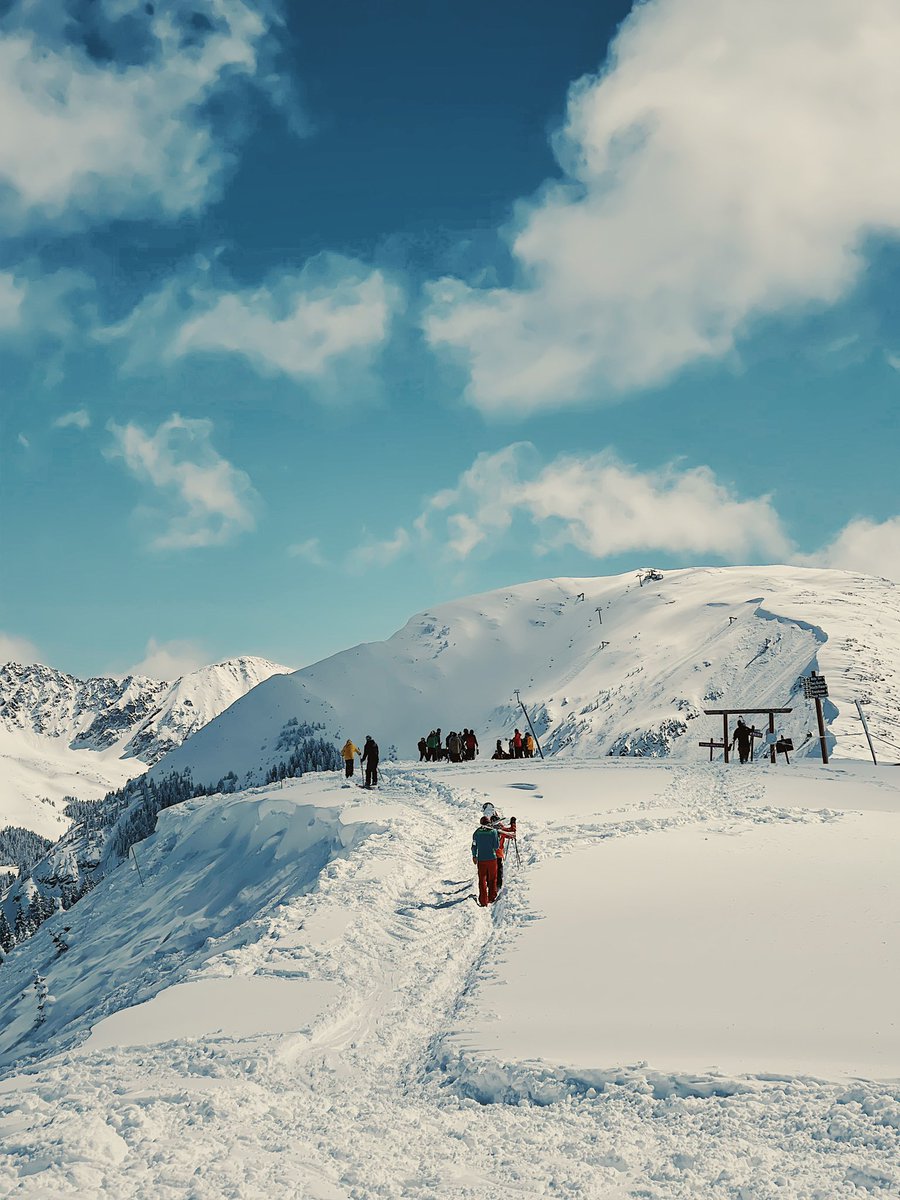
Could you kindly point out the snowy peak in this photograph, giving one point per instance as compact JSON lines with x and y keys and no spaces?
{"x":136,"y":717}
{"x":93,"y":713}
{"x":606,"y":666}
{"x":194,"y":700}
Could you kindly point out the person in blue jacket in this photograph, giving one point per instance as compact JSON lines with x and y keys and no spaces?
{"x":485,"y":844}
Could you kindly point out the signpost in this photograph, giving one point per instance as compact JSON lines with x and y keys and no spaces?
{"x":815,"y":688}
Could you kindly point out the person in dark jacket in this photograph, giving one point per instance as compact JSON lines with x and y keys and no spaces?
{"x":370,"y":758}
{"x":485,"y":844}
{"x":423,"y":749}
{"x":744,"y":739}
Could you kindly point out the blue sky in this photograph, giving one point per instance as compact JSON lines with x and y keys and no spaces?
{"x":315,"y":316}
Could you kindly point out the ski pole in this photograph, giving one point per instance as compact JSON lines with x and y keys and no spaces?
{"x":518,"y":860}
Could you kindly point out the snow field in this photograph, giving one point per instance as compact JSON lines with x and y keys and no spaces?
{"x":389,"y":1088}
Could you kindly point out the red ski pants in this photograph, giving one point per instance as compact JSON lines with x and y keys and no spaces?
{"x":487,"y":882}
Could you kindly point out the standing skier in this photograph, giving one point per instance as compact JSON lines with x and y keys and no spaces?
{"x":485,"y":844}
{"x":744,"y":739}
{"x":370,"y":758}
{"x":348,"y":754}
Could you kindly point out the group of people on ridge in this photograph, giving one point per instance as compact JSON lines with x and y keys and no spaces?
{"x":519,"y":747}
{"x":488,"y":850}
{"x":368,"y":757}
{"x":458,"y":747}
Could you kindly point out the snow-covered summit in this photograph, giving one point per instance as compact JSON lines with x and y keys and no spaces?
{"x":606,"y":666}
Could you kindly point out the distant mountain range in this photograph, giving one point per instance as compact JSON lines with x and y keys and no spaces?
{"x":606,"y":666}
{"x":61,"y":735}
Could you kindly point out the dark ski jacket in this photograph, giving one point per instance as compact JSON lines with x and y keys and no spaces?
{"x":485,"y":843}
{"x":370,"y":752}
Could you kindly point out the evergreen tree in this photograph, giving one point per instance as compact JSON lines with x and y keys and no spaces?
{"x":7,"y":941}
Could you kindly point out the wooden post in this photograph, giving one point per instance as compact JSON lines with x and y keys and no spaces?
{"x":821,"y":719}
{"x":772,"y":730}
{"x":868,"y":735}
{"x":725,"y":735}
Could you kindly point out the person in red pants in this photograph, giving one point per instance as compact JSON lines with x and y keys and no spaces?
{"x":485,"y":844}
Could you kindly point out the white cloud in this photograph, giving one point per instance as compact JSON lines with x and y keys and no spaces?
{"x":18,"y":649}
{"x":170,"y":660}
{"x":206,"y":500}
{"x":380,"y":554}
{"x":39,"y":305}
{"x":892,"y":360}
{"x":12,"y":296}
{"x":599,"y":505}
{"x":729,"y":162}
{"x":23,"y":441}
{"x":304,"y":324}
{"x":871,"y":547}
{"x":79,"y":419}
{"x":310,"y":551}
{"x":94,"y":139}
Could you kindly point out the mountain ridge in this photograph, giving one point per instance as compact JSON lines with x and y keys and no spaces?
{"x":63,"y":735}
{"x":606,"y":666}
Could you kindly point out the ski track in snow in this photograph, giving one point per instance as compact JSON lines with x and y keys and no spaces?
{"x":369,"y":1102}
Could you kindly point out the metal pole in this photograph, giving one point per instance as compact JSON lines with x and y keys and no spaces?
{"x":724,"y":736}
{"x":530,"y":726}
{"x":772,"y":743}
{"x":821,"y":719}
{"x":868,"y":735}
{"x":138,"y":865}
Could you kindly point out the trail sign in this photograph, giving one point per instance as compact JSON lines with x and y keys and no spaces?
{"x":815,"y":687}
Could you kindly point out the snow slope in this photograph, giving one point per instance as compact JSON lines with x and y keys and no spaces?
{"x":701,"y":638}
{"x":679,"y":994}
{"x":63,"y":736}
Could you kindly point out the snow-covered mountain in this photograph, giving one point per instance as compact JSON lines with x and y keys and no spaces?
{"x":606,"y":666}
{"x":65,"y":736}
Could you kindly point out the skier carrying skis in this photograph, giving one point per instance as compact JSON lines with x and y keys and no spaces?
{"x":370,"y":758}
{"x":348,"y":754}
{"x":506,"y":833}
{"x":485,"y":844}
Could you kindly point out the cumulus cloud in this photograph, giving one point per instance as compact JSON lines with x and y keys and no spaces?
{"x":205,"y":500}
{"x":729,"y":162}
{"x":597,"y":504}
{"x":303,"y":324}
{"x":91,"y":137}
{"x":170,"y":660}
{"x":18,"y":649}
{"x":79,"y":419}
{"x":871,"y":547}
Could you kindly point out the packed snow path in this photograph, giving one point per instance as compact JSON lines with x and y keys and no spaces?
{"x":368,"y":1081}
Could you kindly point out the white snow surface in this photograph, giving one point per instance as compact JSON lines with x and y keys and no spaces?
{"x":688,"y":988}
{"x":702,"y":638}
{"x":61,"y":736}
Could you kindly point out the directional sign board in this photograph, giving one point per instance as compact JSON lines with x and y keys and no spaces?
{"x":815,"y":687}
